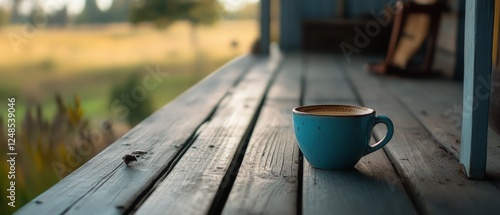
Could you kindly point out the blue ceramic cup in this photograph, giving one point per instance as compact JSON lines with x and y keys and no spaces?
{"x":335,"y":137}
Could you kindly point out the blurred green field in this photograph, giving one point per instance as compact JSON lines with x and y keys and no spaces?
{"x":88,"y":62}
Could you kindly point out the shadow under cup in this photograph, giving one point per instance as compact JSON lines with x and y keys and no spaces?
{"x":336,"y":137}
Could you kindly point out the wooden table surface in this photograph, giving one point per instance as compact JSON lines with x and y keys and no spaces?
{"x":227,"y":146}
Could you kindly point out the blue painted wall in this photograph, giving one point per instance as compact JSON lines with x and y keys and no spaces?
{"x":290,"y":25}
{"x":293,"y":12}
{"x":357,"y":8}
{"x":319,"y":9}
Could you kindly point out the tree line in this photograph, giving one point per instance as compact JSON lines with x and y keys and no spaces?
{"x":118,"y":12}
{"x":160,"y":12}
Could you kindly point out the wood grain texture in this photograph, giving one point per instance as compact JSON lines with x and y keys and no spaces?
{"x":477,"y":65}
{"x":191,"y":186}
{"x":373,"y":187}
{"x":287,"y":83}
{"x":325,"y":82}
{"x":429,"y":172}
{"x":439,"y":109}
{"x":267,"y":179}
{"x":105,"y":185}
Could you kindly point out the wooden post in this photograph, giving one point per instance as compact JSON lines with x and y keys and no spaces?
{"x":477,"y":81}
{"x":265,"y":26}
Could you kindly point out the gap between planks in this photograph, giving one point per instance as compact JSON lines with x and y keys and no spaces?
{"x":106,"y":185}
{"x":373,"y":187}
{"x":192,"y":185}
{"x":429,"y":172}
{"x":267,"y":180}
{"x":440,"y":112}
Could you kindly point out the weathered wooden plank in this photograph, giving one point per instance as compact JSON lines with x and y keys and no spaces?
{"x":105,"y":185}
{"x":440,"y":112}
{"x":372,"y":188}
{"x":477,"y":66}
{"x":267,"y":180}
{"x":325,"y":82}
{"x":192,"y":185}
{"x":438,"y":107}
{"x":429,"y":172}
{"x":287,"y":83}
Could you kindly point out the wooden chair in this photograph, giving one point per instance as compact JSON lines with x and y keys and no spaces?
{"x":410,"y":7}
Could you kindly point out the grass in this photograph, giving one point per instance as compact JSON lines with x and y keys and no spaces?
{"x":88,"y":61}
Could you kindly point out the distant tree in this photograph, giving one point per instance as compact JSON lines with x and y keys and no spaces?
{"x":4,"y":17}
{"x":248,"y":11}
{"x":15,"y":17}
{"x":119,"y":11}
{"x":91,"y":14}
{"x":60,"y":17}
{"x":165,"y":12}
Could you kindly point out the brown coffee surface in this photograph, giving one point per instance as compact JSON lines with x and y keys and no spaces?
{"x":335,"y":110}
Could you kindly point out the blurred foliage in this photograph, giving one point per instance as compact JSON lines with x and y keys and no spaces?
{"x":132,"y":100}
{"x":48,"y":150}
{"x":4,"y":17}
{"x":118,"y":12}
{"x":165,"y":12}
{"x":248,"y":11}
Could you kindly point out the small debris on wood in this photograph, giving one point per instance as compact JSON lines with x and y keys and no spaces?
{"x":442,"y":147}
{"x":462,"y":171}
{"x":177,"y":146}
{"x":424,"y":112}
{"x":128,"y":158}
{"x":211,"y":146}
{"x":126,"y":144}
{"x":194,"y":147}
{"x":139,"y":152}
{"x":38,"y":202}
{"x":404,"y":159}
{"x":457,"y":141}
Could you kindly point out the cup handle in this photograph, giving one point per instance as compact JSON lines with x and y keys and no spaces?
{"x":388,"y":136}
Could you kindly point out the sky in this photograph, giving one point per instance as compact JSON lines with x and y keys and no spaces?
{"x":76,"y":6}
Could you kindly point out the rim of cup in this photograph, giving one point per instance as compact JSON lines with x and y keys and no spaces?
{"x":307,"y":110}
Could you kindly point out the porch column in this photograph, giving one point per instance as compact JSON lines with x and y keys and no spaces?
{"x":265,"y":25}
{"x":477,"y":81}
